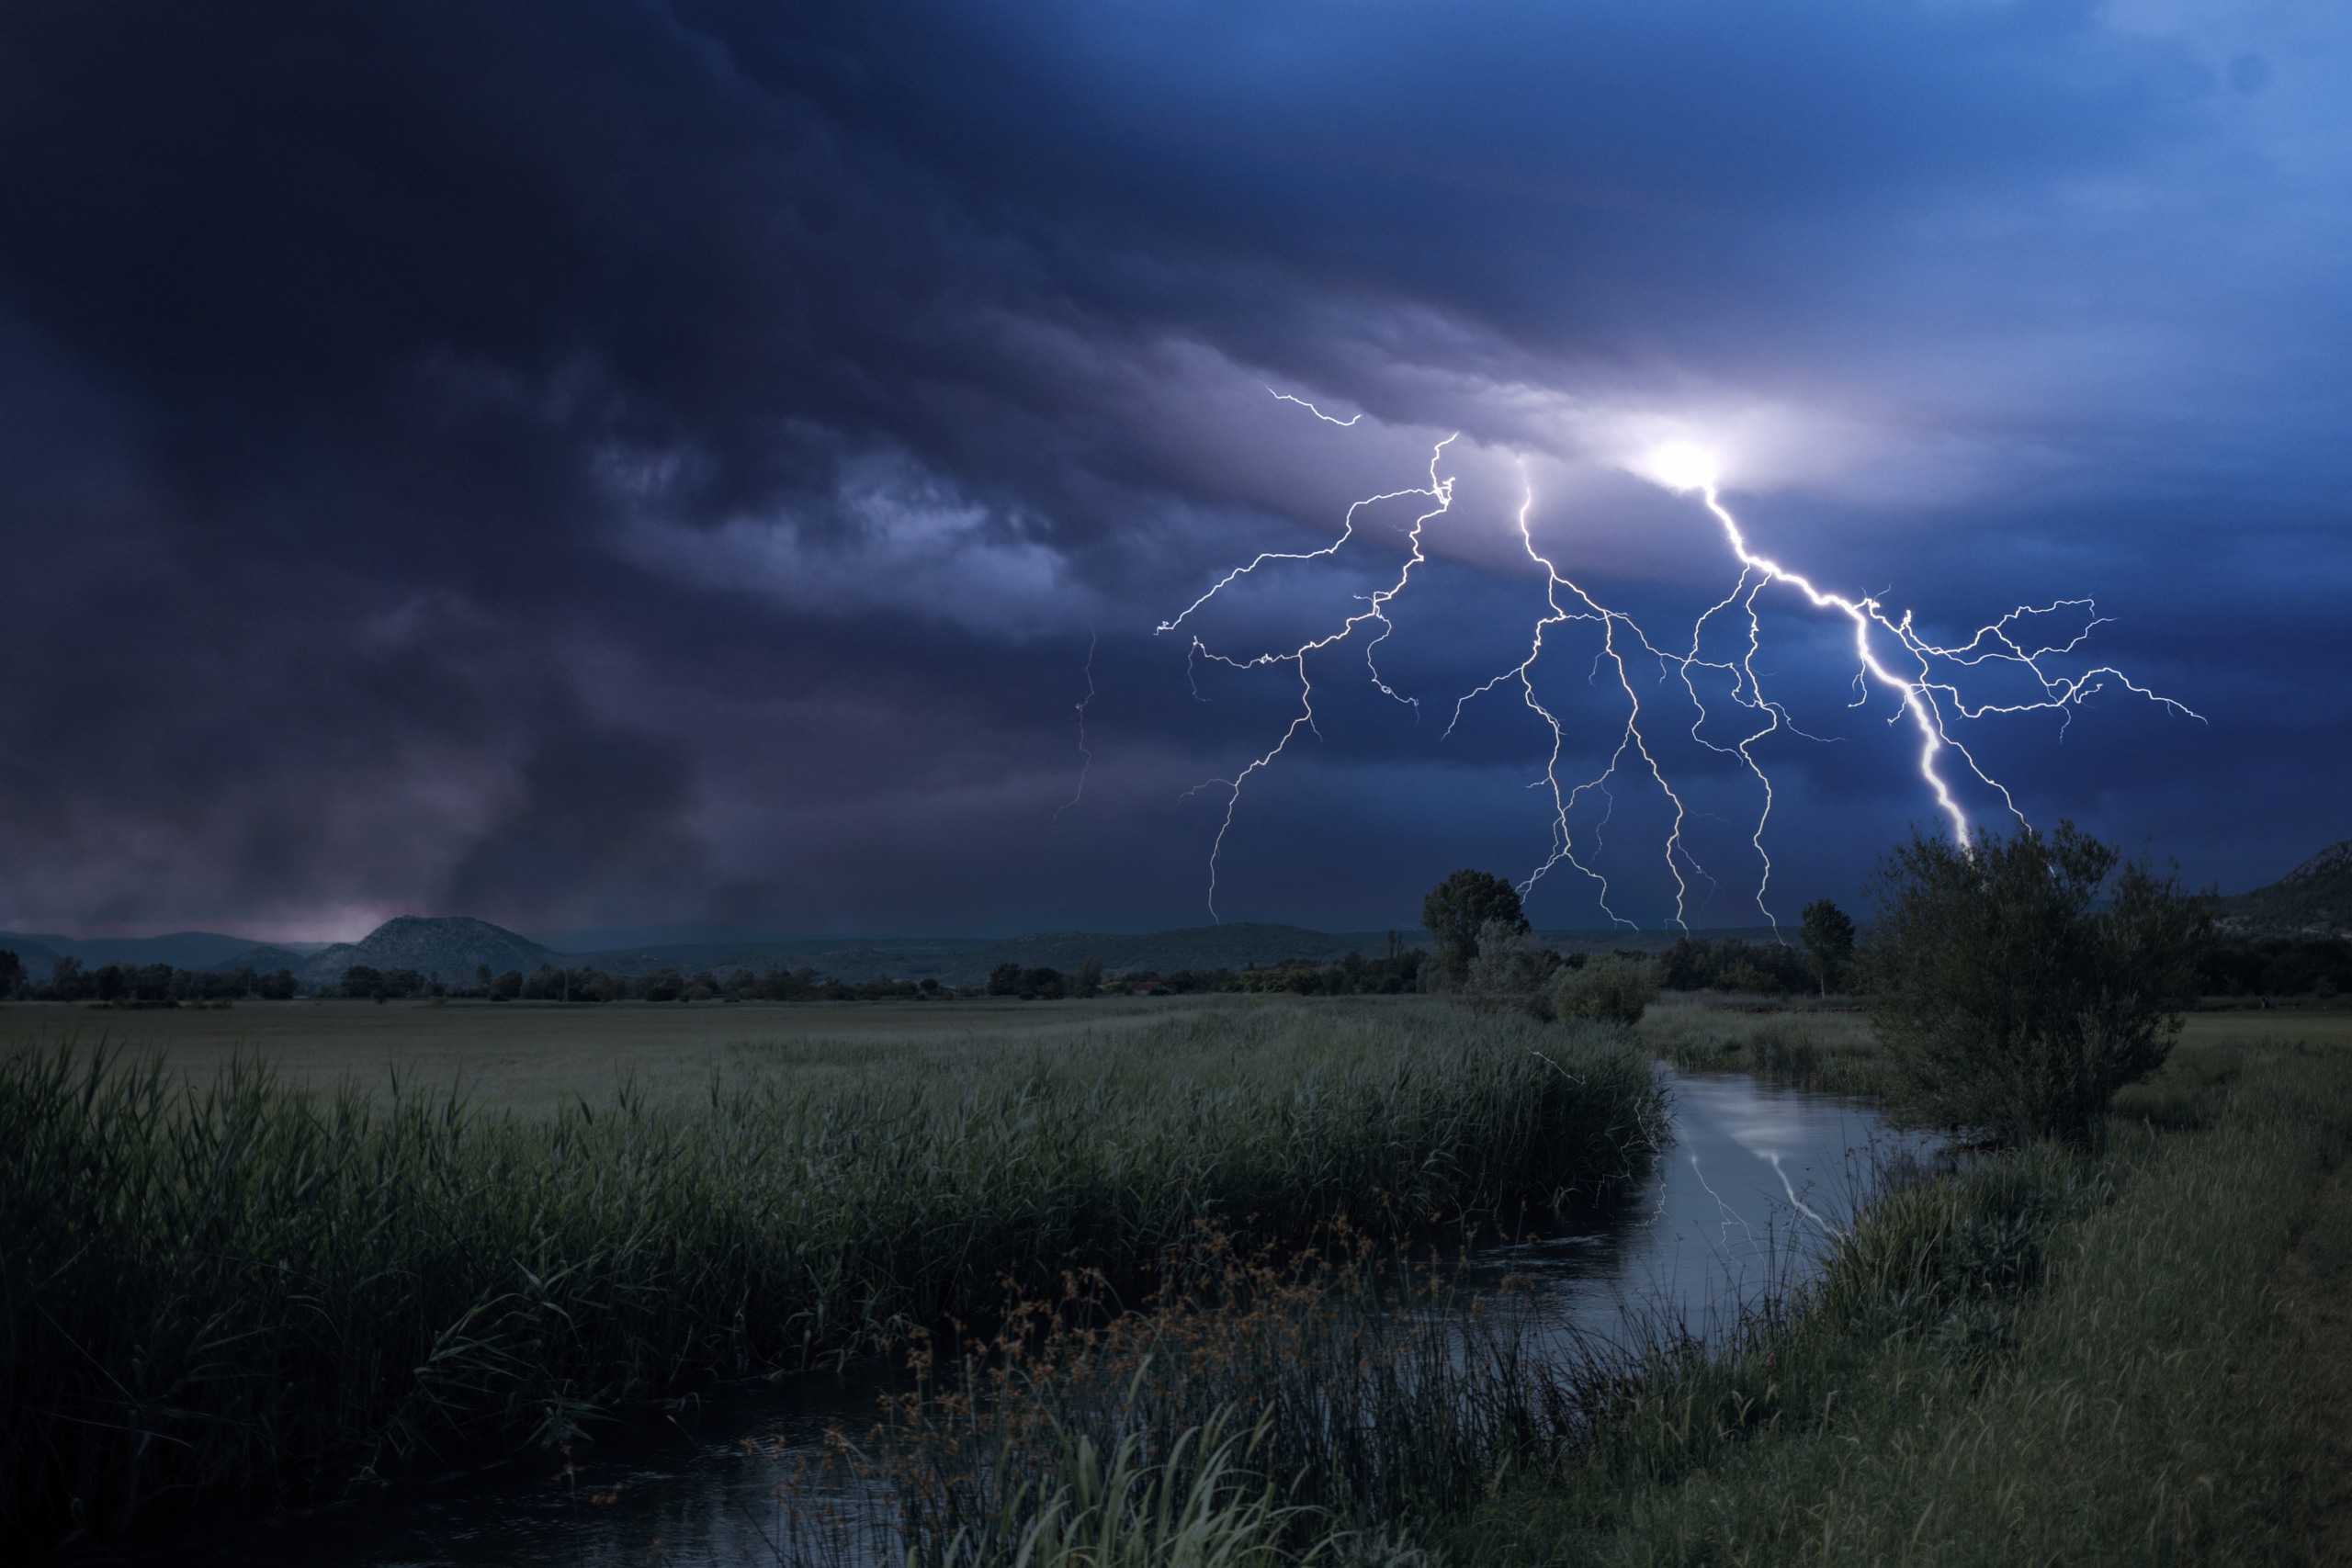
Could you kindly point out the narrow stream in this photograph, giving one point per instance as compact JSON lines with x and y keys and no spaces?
{"x":1756,"y":1178}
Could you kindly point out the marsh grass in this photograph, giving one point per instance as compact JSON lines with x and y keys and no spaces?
{"x":1309,"y":1399}
{"x":246,"y":1279}
{"x":1831,"y":1051}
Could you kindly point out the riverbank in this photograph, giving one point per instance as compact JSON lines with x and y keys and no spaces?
{"x":2135,"y":1357}
{"x":256,"y":1280}
{"x":2131,"y":1355}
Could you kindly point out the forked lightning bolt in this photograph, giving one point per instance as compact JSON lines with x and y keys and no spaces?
{"x":1925,"y":691}
{"x":1440,"y":493}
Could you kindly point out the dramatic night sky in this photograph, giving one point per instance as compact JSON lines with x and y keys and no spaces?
{"x":606,"y":463}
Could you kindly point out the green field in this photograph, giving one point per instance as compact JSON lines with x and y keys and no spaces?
{"x":539,"y":1054}
{"x":535,"y":1055}
{"x":1831,"y":1047}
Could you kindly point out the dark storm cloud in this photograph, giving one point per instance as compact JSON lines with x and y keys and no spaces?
{"x":604,"y":461}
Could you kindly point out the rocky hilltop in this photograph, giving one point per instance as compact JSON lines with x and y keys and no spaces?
{"x":2314,"y":899}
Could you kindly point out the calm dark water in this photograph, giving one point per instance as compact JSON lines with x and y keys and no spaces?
{"x":1754,"y":1180}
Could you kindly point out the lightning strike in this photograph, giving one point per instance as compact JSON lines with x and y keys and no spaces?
{"x":1087,"y":764}
{"x":1922,"y":676}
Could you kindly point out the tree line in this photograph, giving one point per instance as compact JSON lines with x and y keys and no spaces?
{"x":142,"y":985}
{"x":2014,"y":983}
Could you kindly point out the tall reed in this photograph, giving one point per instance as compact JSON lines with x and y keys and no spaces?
{"x":243,"y":1280}
{"x":1375,"y":1392}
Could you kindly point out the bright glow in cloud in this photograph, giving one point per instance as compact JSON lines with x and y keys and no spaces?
{"x":1682,"y":465}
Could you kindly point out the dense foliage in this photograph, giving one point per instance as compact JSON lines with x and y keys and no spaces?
{"x":1734,"y":963}
{"x":1462,"y":907}
{"x":1828,"y":936}
{"x":2275,"y":966}
{"x":148,"y":985}
{"x":2018,"y":983}
{"x":1611,"y":988}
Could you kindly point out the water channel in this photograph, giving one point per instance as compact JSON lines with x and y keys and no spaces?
{"x":1755,"y":1180}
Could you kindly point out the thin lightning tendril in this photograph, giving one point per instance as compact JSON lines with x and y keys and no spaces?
{"x":1927,"y":698}
{"x":1087,"y":764}
{"x":1318,"y":414}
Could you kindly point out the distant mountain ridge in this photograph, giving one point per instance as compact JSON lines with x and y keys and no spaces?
{"x":182,"y":949}
{"x":2314,"y":899}
{"x":453,"y":945}
{"x":38,"y":958}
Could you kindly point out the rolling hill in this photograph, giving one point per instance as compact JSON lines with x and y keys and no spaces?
{"x":450,"y":945}
{"x":2314,"y":899}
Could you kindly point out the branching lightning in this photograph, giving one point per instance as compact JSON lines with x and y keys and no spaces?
{"x":1921,"y":675}
{"x":1437,"y":490}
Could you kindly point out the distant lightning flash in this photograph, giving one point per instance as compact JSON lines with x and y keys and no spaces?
{"x":1919,"y":676}
{"x":1086,"y":765}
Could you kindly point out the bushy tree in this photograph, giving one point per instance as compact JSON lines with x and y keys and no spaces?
{"x":2019,"y":982}
{"x":12,"y":973}
{"x":1460,"y":906}
{"x":1610,"y":988}
{"x":67,"y":983}
{"x":1829,"y":938}
{"x":1510,"y":972}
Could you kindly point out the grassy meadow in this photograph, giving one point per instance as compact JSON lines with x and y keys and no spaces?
{"x":1829,"y":1046}
{"x":221,"y":1270}
{"x":537,"y":1055}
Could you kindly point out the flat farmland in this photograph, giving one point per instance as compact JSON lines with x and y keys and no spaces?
{"x":531,"y":1055}
{"x":2310,"y":1024}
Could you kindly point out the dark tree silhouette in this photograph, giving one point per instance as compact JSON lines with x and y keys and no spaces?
{"x":1459,"y":905}
{"x":1829,"y":938}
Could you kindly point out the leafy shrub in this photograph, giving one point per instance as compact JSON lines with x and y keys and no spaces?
{"x":2020,"y":982}
{"x":1509,"y":971}
{"x":1610,"y":988}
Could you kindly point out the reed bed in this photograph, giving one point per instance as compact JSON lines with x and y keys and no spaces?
{"x":246,"y":1281}
{"x":1291,"y":1405}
